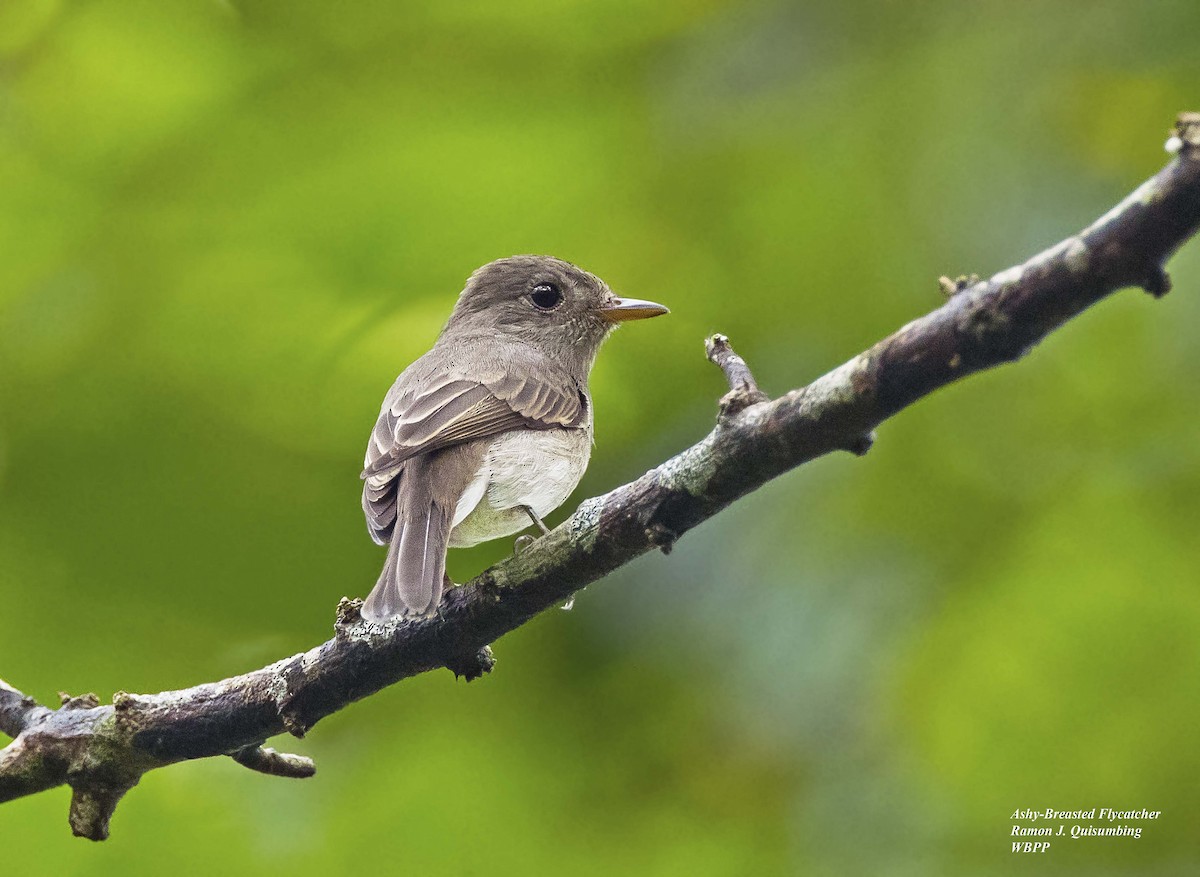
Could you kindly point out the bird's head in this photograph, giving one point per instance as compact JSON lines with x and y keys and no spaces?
{"x":553,"y":305}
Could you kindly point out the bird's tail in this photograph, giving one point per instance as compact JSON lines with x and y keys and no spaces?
{"x":411,"y":580}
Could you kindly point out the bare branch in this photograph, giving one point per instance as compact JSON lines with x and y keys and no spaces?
{"x":278,"y":764}
{"x":92,"y":806}
{"x":101,"y":751}
{"x":743,"y":389}
{"x":17,"y":711}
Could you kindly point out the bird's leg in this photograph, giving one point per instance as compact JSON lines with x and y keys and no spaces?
{"x":525,"y":540}
{"x":533,"y":517}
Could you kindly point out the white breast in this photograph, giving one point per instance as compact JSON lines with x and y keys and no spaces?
{"x":535,"y":468}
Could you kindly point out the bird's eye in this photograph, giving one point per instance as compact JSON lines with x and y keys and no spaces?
{"x":546,"y":296}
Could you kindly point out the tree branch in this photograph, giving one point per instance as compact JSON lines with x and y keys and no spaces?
{"x":18,"y":711}
{"x":102,"y":750}
{"x":277,"y":764}
{"x":743,"y":389}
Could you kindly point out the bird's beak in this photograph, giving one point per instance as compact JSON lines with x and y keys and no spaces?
{"x":622,"y":309}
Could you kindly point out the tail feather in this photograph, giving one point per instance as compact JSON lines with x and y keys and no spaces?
{"x":411,"y":580}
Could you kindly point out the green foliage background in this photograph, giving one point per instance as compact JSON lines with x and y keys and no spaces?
{"x":226,"y":226}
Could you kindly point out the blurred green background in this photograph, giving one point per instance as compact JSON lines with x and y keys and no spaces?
{"x":226,"y":226}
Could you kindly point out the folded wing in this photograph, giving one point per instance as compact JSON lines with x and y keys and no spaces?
{"x":429,"y":410}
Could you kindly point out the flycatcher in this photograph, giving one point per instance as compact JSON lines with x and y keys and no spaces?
{"x":491,"y":430}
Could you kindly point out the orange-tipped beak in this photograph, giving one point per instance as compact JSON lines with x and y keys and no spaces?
{"x":623,"y":309}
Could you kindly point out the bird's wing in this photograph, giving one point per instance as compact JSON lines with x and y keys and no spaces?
{"x":422,"y":416}
{"x":427,"y":410}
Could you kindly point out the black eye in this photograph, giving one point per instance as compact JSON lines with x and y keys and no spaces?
{"x":546,"y":296}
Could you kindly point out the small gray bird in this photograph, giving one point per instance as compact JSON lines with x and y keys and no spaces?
{"x":491,"y":430}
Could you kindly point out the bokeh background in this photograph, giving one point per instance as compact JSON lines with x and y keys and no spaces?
{"x":226,"y":226}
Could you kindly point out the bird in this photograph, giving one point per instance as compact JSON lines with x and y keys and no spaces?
{"x":491,"y":430}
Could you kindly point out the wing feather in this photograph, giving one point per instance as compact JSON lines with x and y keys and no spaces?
{"x":458,"y":411}
{"x":431,"y":407}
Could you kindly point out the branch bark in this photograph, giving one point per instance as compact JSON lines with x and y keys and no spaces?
{"x":102,"y":750}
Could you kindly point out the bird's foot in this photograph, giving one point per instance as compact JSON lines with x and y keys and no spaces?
{"x":522,"y":542}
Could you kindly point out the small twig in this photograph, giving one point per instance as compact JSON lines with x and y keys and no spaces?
{"x":277,"y":764}
{"x":743,"y":389}
{"x":92,"y":807}
{"x":721,"y":352}
{"x":744,"y":392}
